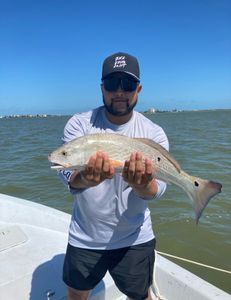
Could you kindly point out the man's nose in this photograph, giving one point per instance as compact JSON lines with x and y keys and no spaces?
{"x":119,"y":89}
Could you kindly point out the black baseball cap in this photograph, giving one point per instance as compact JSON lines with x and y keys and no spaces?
{"x":121,"y":62}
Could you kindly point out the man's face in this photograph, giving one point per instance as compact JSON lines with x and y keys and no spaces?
{"x":120,"y":93}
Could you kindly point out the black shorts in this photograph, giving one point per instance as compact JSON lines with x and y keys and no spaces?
{"x":131,"y":268}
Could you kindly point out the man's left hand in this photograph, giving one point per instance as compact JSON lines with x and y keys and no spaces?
{"x":139,"y":174}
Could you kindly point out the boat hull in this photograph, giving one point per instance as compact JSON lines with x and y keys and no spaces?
{"x":33,"y":240}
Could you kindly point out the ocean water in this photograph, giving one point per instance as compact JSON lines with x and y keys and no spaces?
{"x":201,"y":143}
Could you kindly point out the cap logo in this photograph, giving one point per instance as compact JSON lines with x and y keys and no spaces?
{"x":120,"y":62}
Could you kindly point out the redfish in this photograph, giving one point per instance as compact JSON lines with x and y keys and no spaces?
{"x":76,"y":153}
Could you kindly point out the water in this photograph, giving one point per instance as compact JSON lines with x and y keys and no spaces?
{"x":200,"y":141}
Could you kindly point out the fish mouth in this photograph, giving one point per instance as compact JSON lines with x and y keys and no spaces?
{"x":55,"y":166}
{"x":59,"y":167}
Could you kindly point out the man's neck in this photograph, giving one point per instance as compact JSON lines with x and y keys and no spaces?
{"x":119,"y":120}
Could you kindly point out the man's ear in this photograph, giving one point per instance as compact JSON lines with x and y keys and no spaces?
{"x":139,"y":88}
{"x":101,"y":86}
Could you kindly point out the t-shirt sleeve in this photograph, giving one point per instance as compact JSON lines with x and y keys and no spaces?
{"x":73,"y":129}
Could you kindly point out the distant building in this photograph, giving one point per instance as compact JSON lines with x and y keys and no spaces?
{"x":151,"y":110}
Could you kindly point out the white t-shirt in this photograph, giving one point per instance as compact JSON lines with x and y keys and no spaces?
{"x":111,"y":215}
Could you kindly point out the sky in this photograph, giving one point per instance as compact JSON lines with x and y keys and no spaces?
{"x":51,"y":53}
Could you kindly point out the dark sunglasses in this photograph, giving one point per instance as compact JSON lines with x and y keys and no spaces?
{"x":112,"y":84}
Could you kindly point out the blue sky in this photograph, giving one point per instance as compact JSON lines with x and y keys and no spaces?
{"x":51,"y":53}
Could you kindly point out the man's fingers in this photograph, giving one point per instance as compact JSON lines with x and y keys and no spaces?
{"x":108,"y":170}
{"x":149,"y":171}
{"x":139,"y":169}
{"x":90,"y":167}
{"x":132,"y":167}
{"x":106,"y":164}
{"x":98,"y":167}
{"x":111,"y":172}
{"x":125,"y":170}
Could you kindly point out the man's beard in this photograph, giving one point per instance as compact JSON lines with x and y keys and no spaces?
{"x":112,"y":110}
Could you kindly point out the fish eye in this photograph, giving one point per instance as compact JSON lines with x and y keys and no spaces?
{"x":64,"y":153}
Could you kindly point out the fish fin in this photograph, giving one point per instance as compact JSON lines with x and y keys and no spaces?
{"x":201,"y":192}
{"x":117,"y":164}
{"x":162,"y":150}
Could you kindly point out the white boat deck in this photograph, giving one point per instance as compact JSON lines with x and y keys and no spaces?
{"x":33,"y":241}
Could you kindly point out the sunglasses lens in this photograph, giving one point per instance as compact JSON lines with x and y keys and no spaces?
{"x":112,"y":84}
{"x":128,"y":85}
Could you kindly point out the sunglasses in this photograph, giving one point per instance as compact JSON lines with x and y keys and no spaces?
{"x":112,"y":84}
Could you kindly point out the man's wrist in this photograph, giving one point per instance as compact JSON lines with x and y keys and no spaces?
{"x":146,"y":190}
{"x":77,"y":180}
{"x":84,"y":181}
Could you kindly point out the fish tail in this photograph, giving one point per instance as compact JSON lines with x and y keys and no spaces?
{"x":201,"y":192}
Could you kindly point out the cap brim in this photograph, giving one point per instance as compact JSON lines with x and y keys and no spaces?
{"x":132,"y":75}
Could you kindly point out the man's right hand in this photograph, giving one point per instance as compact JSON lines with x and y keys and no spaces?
{"x":96,"y":171}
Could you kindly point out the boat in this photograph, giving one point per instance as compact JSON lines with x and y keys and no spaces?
{"x":33,"y":239}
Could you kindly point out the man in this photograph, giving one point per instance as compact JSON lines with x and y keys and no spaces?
{"x":111,"y":227}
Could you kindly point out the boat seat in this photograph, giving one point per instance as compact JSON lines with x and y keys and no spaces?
{"x":11,"y":236}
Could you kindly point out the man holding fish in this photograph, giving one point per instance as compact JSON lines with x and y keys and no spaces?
{"x":112,"y":177}
{"x":111,"y":227}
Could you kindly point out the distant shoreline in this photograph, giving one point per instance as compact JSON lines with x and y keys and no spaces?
{"x":146,"y":112}
{"x":149,"y":112}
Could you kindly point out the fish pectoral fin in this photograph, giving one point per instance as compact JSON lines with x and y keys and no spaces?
{"x":117,"y":164}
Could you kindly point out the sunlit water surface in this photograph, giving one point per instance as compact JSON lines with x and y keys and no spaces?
{"x":200,"y":141}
